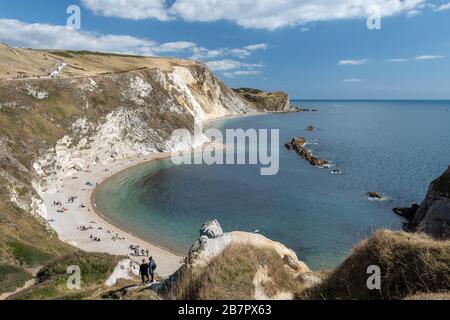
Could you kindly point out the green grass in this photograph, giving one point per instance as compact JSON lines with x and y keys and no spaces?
{"x":12,"y":277}
{"x":29,"y":255}
{"x":52,"y":279}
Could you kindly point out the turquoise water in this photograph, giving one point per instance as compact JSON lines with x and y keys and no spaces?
{"x":394,"y":147}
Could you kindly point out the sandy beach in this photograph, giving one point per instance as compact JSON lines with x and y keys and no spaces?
{"x":82,"y":213}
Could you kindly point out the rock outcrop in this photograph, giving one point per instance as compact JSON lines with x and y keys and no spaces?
{"x":213,"y":242}
{"x":433,"y":215}
{"x":407,"y":213}
{"x":267,"y":101}
{"x":298,"y":145}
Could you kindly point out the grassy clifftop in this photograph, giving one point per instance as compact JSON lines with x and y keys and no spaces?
{"x":241,"y":272}
{"x":269,"y":101}
{"x":40,"y":63}
{"x":411,"y":265}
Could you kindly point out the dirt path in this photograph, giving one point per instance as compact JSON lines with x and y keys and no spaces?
{"x":34,"y":271}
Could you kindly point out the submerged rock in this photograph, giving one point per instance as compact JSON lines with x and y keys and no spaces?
{"x":375,"y":195}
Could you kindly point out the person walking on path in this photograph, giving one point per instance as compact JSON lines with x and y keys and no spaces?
{"x":152,"y":268}
{"x":143,"y":270}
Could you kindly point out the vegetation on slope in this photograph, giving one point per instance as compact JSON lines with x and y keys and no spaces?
{"x":410,"y":264}
{"x":230,"y":276}
{"x":52,"y":279}
{"x":12,"y":278}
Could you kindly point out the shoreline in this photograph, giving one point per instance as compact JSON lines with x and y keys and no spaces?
{"x":67,"y":224}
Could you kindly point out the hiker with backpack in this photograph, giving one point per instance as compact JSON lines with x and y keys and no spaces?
{"x":151,"y":268}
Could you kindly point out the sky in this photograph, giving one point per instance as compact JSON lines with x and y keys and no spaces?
{"x":311,"y":49}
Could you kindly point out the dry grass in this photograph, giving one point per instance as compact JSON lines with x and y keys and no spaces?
{"x":409,"y":263}
{"x":15,"y":61}
{"x":230,"y":276}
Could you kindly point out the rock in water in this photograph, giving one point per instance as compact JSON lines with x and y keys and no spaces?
{"x":298,"y":144}
{"x":375,"y":195}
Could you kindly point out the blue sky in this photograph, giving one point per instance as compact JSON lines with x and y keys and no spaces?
{"x":311,"y":49}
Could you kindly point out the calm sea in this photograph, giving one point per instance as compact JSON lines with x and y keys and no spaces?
{"x":393,"y":147}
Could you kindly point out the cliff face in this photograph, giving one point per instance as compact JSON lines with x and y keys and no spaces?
{"x":267,"y":101}
{"x":433,"y":215}
{"x":95,"y":108}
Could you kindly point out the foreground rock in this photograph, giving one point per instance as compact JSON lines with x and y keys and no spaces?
{"x":215,"y":248}
{"x":433,"y":215}
{"x":298,"y":145}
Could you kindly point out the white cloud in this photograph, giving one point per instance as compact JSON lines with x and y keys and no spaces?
{"x":262,"y":14}
{"x":398,"y":60}
{"x":353,"y":80}
{"x":129,"y":9}
{"x":259,"y":46}
{"x":176,"y":46}
{"x":241,"y":73}
{"x":225,"y":65}
{"x":353,"y":62}
{"x":200,"y":53}
{"x":428,"y":57}
{"x":233,"y":68}
{"x":271,"y":15}
{"x":45,"y":36}
{"x":443,"y":7}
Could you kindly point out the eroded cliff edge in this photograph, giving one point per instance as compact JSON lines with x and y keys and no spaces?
{"x":99,"y":108}
{"x":433,"y":215}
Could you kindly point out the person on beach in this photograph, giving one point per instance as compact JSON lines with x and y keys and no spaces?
{"x":143,"y":269}
{"x":151,"y":268}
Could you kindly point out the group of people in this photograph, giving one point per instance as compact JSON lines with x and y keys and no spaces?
{"x":147,"y":271}
{"x":96,"y":239}
{"x":137,"y":251}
